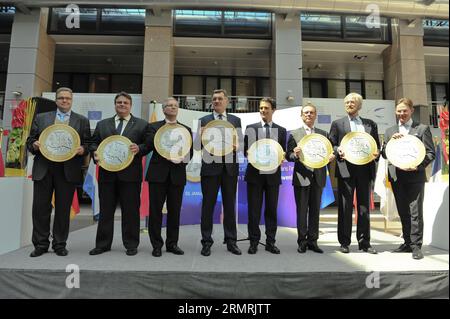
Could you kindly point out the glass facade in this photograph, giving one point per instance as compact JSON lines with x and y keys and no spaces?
{"x":345,"y":28}
{"x":339,"y":88}
{"x":435,"y":32}
{"x":6,"y":19}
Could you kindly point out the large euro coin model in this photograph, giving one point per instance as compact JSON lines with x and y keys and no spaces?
{"x":59,"y":142}
{"x":265,"y":154}
{"x":173,"y":141}
{"x":316,"y":150}
{"x":219,"y":137}
{"x":405,"y":152}
{"x":114,"y":153}
{"x":359,"y":147}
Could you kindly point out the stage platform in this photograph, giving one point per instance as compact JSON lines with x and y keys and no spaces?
{"x":223,"y":275}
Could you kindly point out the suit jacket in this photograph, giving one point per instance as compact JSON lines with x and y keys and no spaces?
{"x":423,"y":133}
{"x":72,"y":167}
{"x":138,"y":132}
{"x":160,"y":168}
{"x":339,"y":128}
{"x":215,"y":167}
{"x":303,"y":176}
{"x":255,"y":132}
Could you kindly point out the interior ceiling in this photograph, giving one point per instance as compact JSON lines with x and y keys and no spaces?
{"x":407,"y":8}
{"x":239,"y":57}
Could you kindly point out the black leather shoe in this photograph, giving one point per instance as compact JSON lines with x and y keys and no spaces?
{"x":315,"y":248}
{"x":417,"y":253}
{"x":206,"y":250}
{"x":273,"y":249}
{"x":175,"y":250}
{"x":98,"y":251}
{"x":233,"y":248}
{"x":156,"y":252}
{"x":344,"y":249}
{"x":253,"y":248}
{"x":403,"y":248}
{"x":61,"y":252}
{"x":38,"y":252}
{"x":302,"y":247}
{"x":369,"y":249}
{"x":131,"y":251}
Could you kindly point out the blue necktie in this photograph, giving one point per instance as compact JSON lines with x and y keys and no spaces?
{"x":267,"y":127}
{"x":119,"y":127}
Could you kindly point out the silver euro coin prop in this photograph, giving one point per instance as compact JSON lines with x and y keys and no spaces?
{"x":405,"y":152}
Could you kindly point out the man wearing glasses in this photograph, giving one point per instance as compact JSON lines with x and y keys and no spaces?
{"x":51,"y":177}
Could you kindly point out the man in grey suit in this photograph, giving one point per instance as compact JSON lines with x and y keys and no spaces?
{"x":353,"y":177}
{"x":409,"y":184}
{"x":263,"y":184}
{"x":58,"y":177}
{"x":166,"y":179}
{"x":220,"y":172}
{"x":308,"y":183}
{"x":125,"y":185}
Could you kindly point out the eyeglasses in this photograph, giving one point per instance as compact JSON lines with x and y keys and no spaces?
{"x":63,"y":98}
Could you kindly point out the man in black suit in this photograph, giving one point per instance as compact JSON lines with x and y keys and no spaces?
{"x":167,"y":179}
{"x":58,"y":177}
{"x":124,"y":185}
{"x":409,"y":184}
{"x":308,"y":183}
{"x":219,"y":172}
{"x":353,"y":177}
{"x":261,"y":184}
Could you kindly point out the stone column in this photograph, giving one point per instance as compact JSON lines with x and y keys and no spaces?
{"x":404,"y":66}
{"x":157,"y":81}
{"x":286,"y":61}
{"x":31,"y":60}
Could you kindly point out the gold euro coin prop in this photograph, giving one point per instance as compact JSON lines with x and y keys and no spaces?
{"x":219,"y":137}
{"x":359,"y":147}
{"x":114,"y":153}
{"x":59,"y":142}
{"x":316,"y":150}
{"x":405,"y":152}
{"x":173,"y":141}
{"x":265,"y":154}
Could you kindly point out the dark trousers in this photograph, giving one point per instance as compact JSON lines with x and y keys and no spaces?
{"x":307,"y":200}
{"x":128,"y":195}
{"x":172,"y":195}
{"x":54,"y":181}
{"x":409,"y":200}
{"x":346,"y":188}
{"x":255,"y":194}
{"x":210,"y":189}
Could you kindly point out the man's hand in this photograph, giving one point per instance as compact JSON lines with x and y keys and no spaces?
{"x":411,"y":169}
{"x":235,"y":146}
{"x":79,"y":150}
{"x":96,"y":158}
{"x":297,"y":151}
{"x":376,"y":154}
{"x":36,"y":145}
{"x":134,"y":148}
{"x":397,"y":136}
{"x":341,"y":153}
{"x":332,"y":157}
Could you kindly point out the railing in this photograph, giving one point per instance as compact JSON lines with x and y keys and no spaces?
{"x":237,"y":104}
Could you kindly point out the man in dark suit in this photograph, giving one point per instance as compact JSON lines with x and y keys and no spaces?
{"x":261,"y":184}
{"x":220,"y":172}
{"x":124,"y":185}
{"x":308,"y":183}
{"x":353,"y":177}
{"x":409,"y":184}
{"x":58,"y":177}
{"x":167,"y":179}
